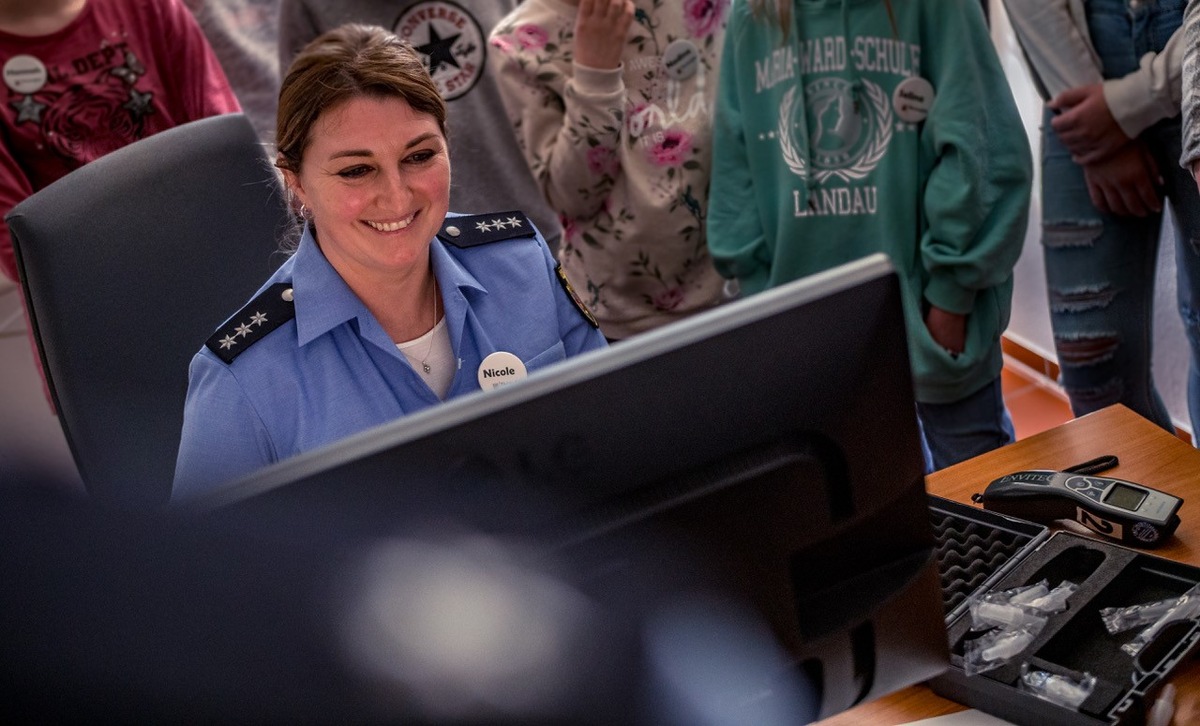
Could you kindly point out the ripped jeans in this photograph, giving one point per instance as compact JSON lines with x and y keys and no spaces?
{"x":1100,"y":272}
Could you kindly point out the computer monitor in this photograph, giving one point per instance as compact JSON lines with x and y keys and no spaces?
{"x":771,"y":444}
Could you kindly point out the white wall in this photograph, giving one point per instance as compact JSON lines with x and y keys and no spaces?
{"x":1030,"y":324}
{"x":29,"y":432}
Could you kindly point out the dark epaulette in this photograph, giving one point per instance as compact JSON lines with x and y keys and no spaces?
{"x":274,"y":307}
{"x":482,"y":229}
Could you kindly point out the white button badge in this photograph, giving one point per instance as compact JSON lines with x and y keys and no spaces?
{"x":25,"y":74}
{"x":681,"y":59}
{"x":912,"y":99}
{"x":500,"y":368}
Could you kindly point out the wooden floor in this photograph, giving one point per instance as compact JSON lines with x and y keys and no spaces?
{"x":1034,"y":401}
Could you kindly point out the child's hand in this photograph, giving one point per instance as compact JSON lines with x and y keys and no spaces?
{"x":600,"y":28}
{"x":948,"y":329}
{"x":1126,"y":183}
{"x":1085,"y":124}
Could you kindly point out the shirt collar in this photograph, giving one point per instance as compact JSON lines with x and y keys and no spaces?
{"x":324,"y":300}
{"x":449,"y":272}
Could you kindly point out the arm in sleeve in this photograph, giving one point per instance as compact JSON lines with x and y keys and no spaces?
{"x":1152,"y":92}
{"x":569,"y":128}
{"x":736,"y":240}
{"x":576,"y":331}
{"x":14,"y":187}
{"x":223,"y":436}
{"x":205,"y":89}
{"x":976,"y":198}
{"x":1054,"y":37}
{"x":1191,"y":84}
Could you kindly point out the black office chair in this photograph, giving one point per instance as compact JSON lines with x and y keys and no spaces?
{"x":128,"y":264}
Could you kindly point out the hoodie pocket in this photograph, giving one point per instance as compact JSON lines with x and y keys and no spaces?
{"x":936,"y":370}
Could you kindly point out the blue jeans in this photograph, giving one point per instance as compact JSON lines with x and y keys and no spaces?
{"x":975,"y":425}
{"x":1100,"y":268}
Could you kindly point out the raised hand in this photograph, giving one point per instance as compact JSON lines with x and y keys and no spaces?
{"x":600,"y":29}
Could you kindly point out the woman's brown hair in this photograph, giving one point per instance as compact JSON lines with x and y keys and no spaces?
{"x":347,"y":62}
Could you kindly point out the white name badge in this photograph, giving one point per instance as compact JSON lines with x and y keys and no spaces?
{"x":912,"y":99}
{"x":25,"y":74}
{"x":500,"y":368}
{"x":681,"y":59}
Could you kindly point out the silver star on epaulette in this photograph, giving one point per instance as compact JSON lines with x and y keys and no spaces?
{"x":483,"y":226}
{"x":227,"y":342}
{"x":242,"y":330}
{"x":258,"y":318}
{"x":514,"y":222}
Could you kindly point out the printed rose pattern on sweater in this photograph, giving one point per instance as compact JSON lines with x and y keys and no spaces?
{"x":624,"y":155}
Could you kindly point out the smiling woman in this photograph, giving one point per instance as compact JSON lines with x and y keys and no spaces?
{"x":390,"y":303}
{"x":376,"y":181}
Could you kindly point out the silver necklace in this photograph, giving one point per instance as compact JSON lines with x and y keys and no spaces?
{"x":425,"y":366}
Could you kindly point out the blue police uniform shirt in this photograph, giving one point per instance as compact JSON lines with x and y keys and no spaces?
{"x":332,"y":371}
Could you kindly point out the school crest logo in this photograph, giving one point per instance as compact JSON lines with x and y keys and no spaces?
{"x":450,"y":41}
{"x":847,"y":136}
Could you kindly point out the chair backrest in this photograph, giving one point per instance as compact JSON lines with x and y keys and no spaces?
{"x":128,"y":265}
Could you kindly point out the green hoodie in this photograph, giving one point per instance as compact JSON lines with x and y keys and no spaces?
{"x":818,"y":159}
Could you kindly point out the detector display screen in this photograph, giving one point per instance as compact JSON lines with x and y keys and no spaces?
{"x":1125,"y":497}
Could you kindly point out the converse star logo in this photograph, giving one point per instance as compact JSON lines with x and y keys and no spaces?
{"x":451,"y":42}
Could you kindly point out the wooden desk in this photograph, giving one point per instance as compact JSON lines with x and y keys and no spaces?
{"x":1148,"y":455}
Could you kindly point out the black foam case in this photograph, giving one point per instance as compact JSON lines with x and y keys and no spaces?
{"x":981,"y":551}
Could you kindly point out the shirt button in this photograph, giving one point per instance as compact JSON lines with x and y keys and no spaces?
{"x":453,"y":231}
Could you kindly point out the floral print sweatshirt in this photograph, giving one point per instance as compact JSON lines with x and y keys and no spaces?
{"x":622,"y":155}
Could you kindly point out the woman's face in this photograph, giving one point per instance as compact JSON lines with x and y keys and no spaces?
{"x":376,"y":179}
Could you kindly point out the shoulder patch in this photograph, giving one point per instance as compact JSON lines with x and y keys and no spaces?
{"x":587,"y":314}
{"x":274,"y":307}
{"x":482,"y":229}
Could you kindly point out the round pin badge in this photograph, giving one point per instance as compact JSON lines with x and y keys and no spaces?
{"x":681,"y":59}
{"x":500,"y":368}
{"x":25,"y":74}
{"x":912,"y":99}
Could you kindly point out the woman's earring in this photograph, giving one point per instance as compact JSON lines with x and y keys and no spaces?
{"x":303,"y":211}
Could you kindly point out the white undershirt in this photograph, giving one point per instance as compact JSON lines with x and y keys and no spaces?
{"x":433,"y":348}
